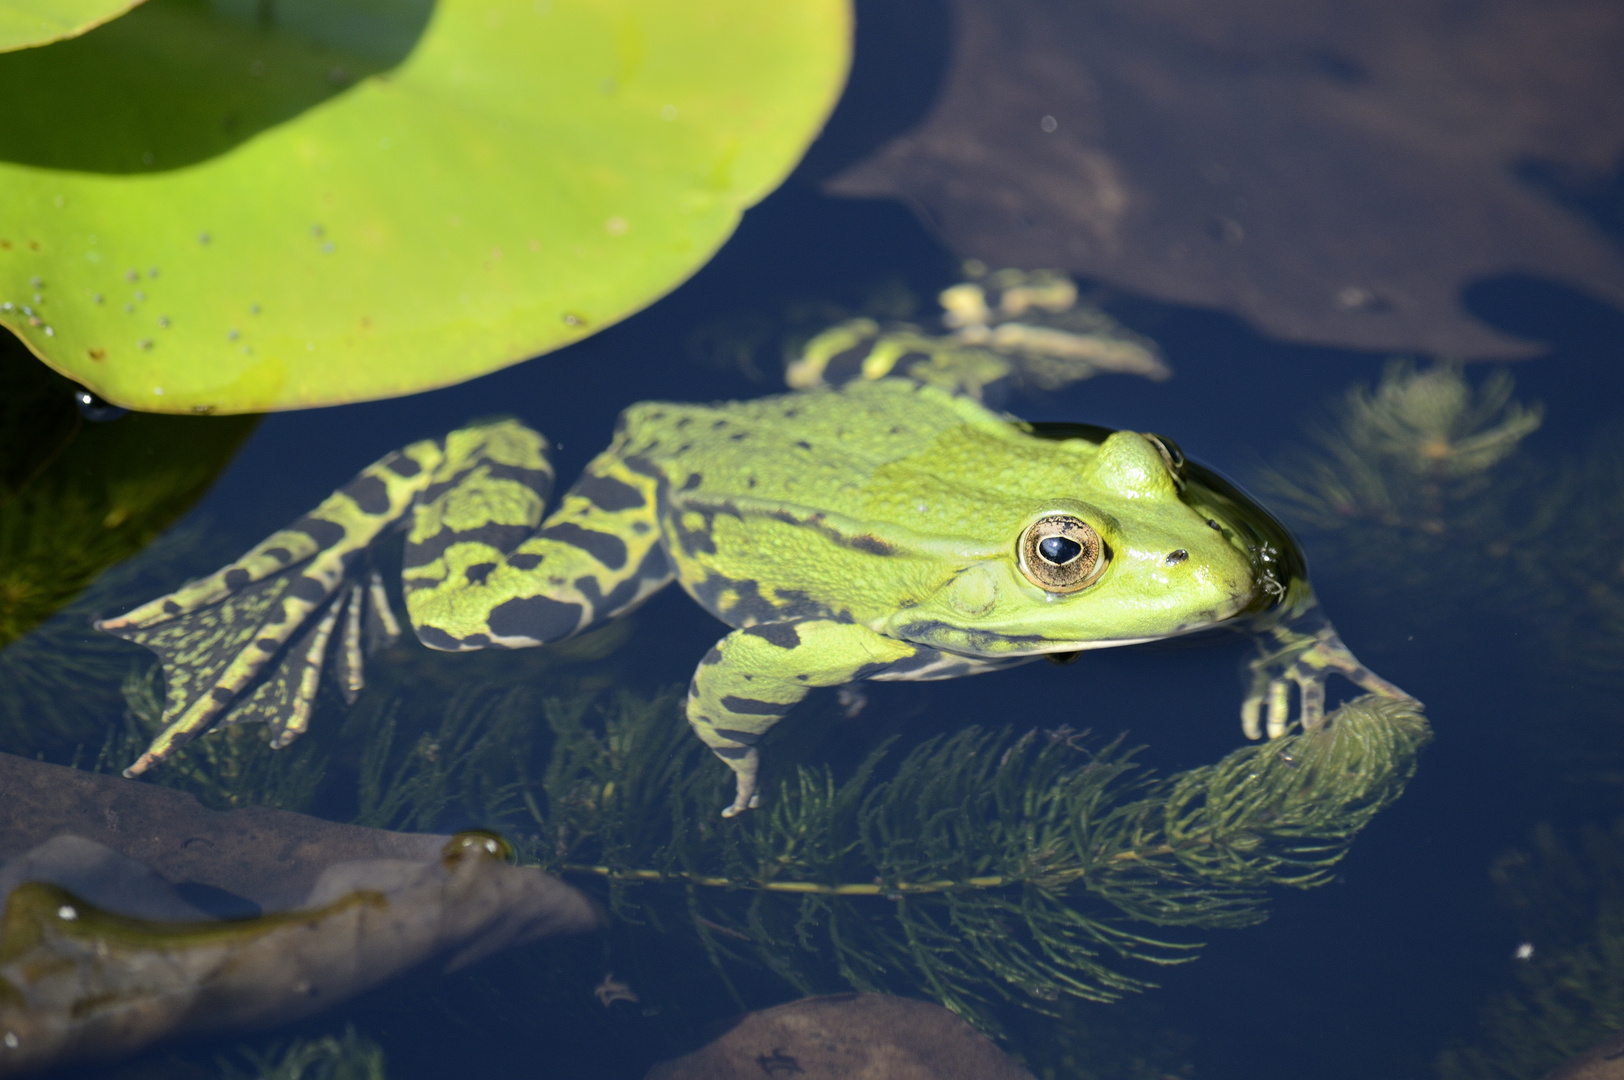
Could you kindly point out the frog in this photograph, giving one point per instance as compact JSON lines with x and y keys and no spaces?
{"x":882,"y":529}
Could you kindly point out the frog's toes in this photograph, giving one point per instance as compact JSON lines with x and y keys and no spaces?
{"x":745,"y":768}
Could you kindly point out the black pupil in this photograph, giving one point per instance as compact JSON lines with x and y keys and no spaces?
{"x":1058,"y":549}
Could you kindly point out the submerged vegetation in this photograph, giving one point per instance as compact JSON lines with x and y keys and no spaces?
{"x":1567,"y":897}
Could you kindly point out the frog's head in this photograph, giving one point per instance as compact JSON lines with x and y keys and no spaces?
{"x":1125,"y":554}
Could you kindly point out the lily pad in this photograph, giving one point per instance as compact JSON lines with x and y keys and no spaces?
{"x":26,"y":23}
{"x":231,"y":206}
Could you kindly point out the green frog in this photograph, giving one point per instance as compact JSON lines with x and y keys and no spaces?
{"x":884,"y":529}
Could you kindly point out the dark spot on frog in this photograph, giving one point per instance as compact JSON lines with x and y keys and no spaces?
{"x":685,"y":447}
{"x":783,"y":635}
{"x":755,"y":706}
{"x":790,"y":414}
{"x":1177,"y":556}
{"x":718,"y":424}
{"x":738,"y":436}
{"x":171,"y":608}
{"x":370,"y":494}
{"x":236,"y":578}
{"x":324,"y":533}
{"x":478,"y":572}
{"x":803,"y":444}
{"x":267,"y":645}
{"x":538,"y":618}
{"x":1214,"y":525}
{"x":221,"y":694}
{"x":607,"y":549}
{"x":607,"y":493}
{"x":280,"y":554}
{"x":684,"y":422}
{"x":871,"y":545}
{"x":743,"y":738}
{"x":307,"y":588}
{"x":1061,"y":659}
{"x":476,"y":641}
{"x":693,"y":481}
{"x":750,"y":482}
{"x":524,"y":560}
{"x":712,"y":657}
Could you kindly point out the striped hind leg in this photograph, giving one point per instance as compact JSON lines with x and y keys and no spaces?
{"x":478,"y":574}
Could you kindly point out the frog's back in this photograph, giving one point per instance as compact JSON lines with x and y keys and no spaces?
{"x":816,"y":449}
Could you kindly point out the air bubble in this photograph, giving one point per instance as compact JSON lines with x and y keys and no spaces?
{"x":67,"y":913}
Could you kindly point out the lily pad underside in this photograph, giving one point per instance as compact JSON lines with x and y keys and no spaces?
{"x":1335,"y":173}
{"x":235,"y":206}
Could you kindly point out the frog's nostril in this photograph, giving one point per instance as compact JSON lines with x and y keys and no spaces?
{"x":1177,"y":556}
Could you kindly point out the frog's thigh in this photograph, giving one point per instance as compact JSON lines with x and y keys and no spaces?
{"x":754,"y":676}
{"x":486,"y":576}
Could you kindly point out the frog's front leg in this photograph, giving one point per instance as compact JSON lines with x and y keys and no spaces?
{"x":754,"y":676}
{"x":1302,"y":649}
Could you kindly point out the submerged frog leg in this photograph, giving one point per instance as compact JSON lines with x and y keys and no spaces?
{"x":244,"y":643}
{"x":249,"y":643}
{"x":478,"y":574}
{"x":754,"y":676}
{"x":1302,"y":649}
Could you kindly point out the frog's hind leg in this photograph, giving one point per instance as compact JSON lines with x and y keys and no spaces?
{"x":483,"y":580}
{"x":249,"y":642}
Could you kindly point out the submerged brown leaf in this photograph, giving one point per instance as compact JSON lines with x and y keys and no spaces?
{"x":101,"y":954}
{"x":1335,"y":173}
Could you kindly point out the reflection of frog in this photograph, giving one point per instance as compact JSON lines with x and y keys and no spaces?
{"x":885,"y":530}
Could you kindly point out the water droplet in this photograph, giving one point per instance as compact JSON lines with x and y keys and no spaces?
{"x":12,"y":1042}
{"x":129,"y":307}
{"x":139,"y":295}
{"x":232,"y":335}
{"x":253,"y":309}
{"x":132,"y":275}
{"x":152,"y":272}
{"x":316,"y":230}
{"x":27,"y":310}
{"x":95,"y":298}
{"x":67,"y":913}
{"x":6,"y":306}
{"x":204,"y":238}
{"x":328,"y":247}
{"x":49,"y":332}
{"x":93,"y":408}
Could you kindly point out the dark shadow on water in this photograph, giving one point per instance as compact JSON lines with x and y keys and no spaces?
{"x":176,"y":82}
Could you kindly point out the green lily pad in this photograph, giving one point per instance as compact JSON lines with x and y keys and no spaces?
{"x":270,"y":204}
{"x":26,"y":23}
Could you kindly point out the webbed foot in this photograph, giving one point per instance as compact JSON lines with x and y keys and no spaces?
{"x":1306,"y":651}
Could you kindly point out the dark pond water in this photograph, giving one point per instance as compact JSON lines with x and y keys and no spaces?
{"x":1503,"y":611}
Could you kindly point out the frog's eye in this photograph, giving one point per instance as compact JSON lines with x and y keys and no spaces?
{"x":1172,"y":456}
{"x":1061,"y":554}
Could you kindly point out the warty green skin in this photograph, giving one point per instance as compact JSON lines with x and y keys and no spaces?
{"x":863,"y":532}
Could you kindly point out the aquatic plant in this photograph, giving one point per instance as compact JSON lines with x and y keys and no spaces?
{"x":1414,"y":454}
{"x":975,"y":868}
{"x":415,"y":226}
{"x":1567,"y":896}
{"x":349,"y":1056}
